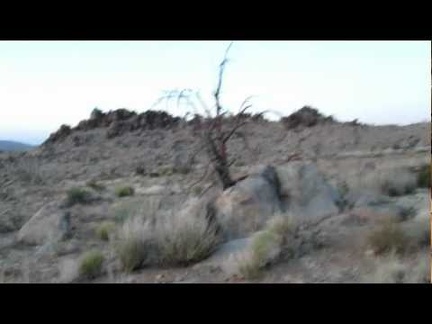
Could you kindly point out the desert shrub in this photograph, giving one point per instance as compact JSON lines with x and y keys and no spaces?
{"x":391,"y":269}
{"x":424,"y":176}
{"x":104,"y":230}
{"x":183,"y":169}
{"x":137,"y":206}
{"x":124,"y":191}
{"x":166,"y":240}
{"x":388,"y":237}
{"x":135,"y":244}
{"x":418,"y":233}
{"x":91,"y":264}
{"x":248,"y":267}
{"x":185,"y":239}
{"x":398,"y":184}
{"x":131,"y":252}
{"x":78,"y":196}
{"x":343,"y":190}
{"x":267,"y":247}
{"x":95,"y":185}
{"x":407,"y":213}
{"x":140,"y":170}
{"x":166,"y":171}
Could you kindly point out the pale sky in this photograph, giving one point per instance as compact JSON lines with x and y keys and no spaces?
{"x":44,"y":84}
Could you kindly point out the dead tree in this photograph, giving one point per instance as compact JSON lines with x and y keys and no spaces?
{"x":216,"y":129}
{"x":218,"y":126}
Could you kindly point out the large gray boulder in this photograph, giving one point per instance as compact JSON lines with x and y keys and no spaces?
{"x":298,"y":189}
{"x":49,"y":224}
{"x":244,"y":208}
{"x":305,"y":192}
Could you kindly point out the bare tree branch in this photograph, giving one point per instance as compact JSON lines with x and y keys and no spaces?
{"x":201,"y":178}
{"x":233,"y":130}
{"x":219,"y":85}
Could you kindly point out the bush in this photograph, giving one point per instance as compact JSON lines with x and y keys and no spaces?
{"x":267,"y":247}
{"x":424,"y":176}
{"x":140,"y":170}
{"x":248,"y":268}
{"x":391,"y":269}
{"x":131,"y":252}
{"x":135,"y":245}
{"x":183,"y":240}
{"x":78,"y":196}
{"x":166,"y":240}
{"x":91,"y":264}
{"x":125,"y":191}
{"x":104,"y":230}
{"x":166,"y":171}
{"x":388,"y":237}
{"x":399,"y":183}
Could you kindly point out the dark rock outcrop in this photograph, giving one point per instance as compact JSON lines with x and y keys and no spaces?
{"x":118,"y":122}
{"x":305,"y":117}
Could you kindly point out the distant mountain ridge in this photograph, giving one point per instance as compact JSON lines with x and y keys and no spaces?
{"x":14,"y":146}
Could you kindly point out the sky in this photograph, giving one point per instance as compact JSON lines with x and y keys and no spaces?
{"x":44,"y":84}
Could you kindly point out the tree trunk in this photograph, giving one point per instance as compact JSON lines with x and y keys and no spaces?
{"x":220,"y":162}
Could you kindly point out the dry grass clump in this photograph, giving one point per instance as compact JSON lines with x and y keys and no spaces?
{"x":167,"y":240}
{"x":391,"y":269}
{"x":124,"y":191}
{"x":104,"y":230}
{"x":388,"y":237}
{"x":78,"y":196}
{"x":267,"y":247}
{"x":91,"y":264}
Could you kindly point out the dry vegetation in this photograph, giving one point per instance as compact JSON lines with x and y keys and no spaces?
{"x":91,"y":264}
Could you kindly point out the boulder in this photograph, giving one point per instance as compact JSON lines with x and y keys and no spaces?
{"x":49,"y":224}
{"x":305,"y":192}
{"x":244,"y":208}
{"x":298,"y":189}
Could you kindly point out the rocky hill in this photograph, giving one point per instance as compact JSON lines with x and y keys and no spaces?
{"x":121,"y":141}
